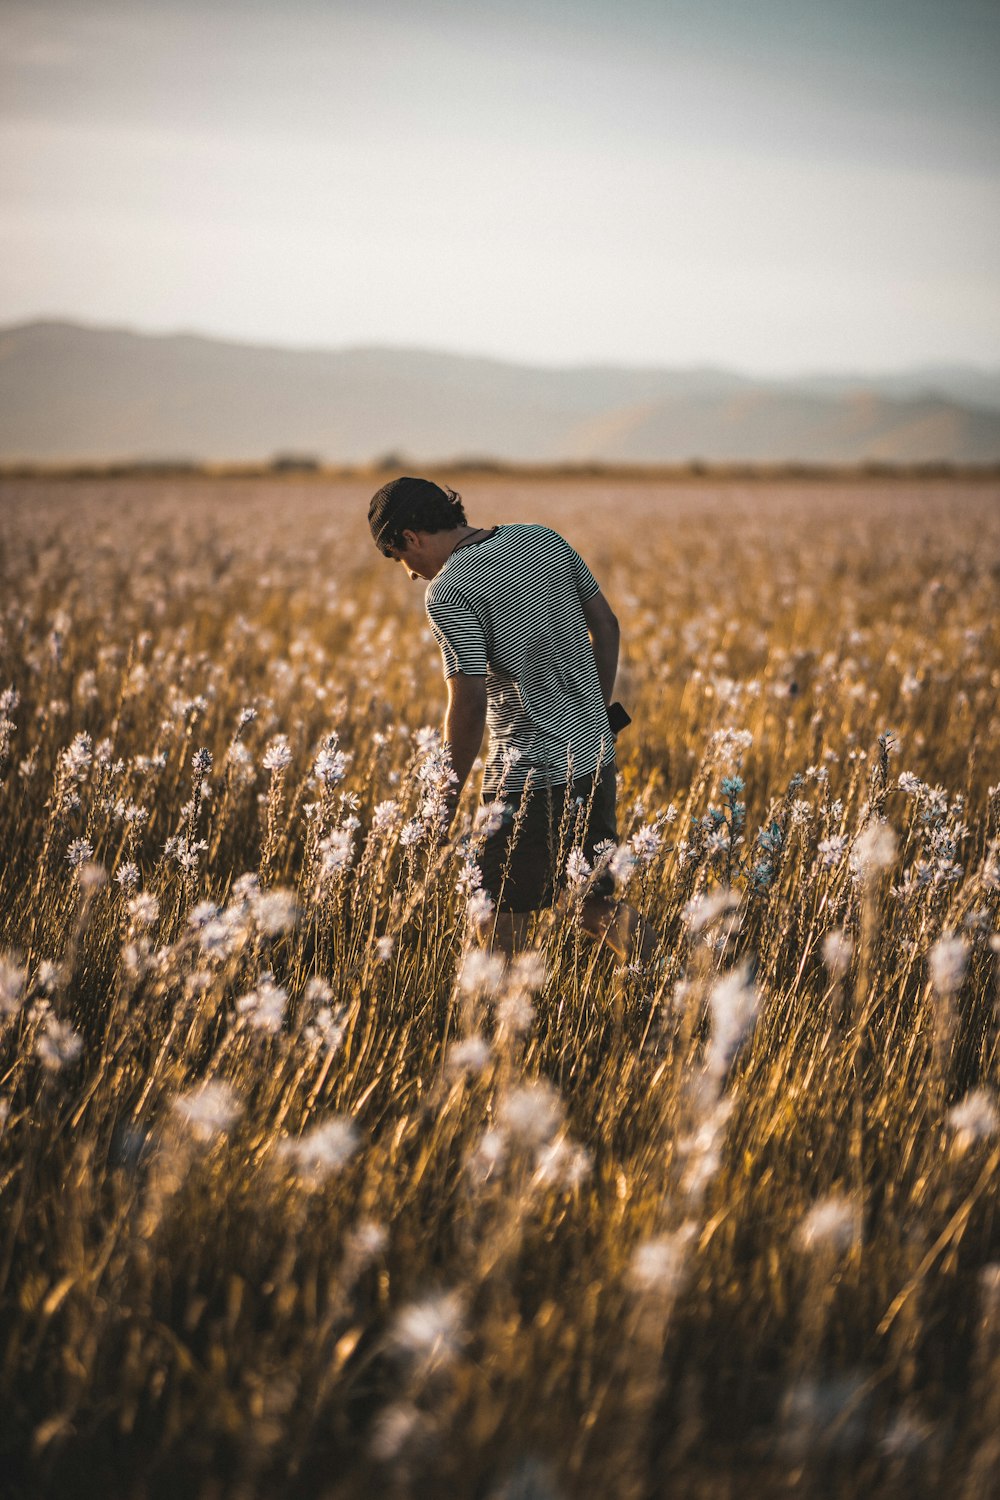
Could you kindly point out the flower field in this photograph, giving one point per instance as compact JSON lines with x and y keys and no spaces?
{"x":304,"y":1194}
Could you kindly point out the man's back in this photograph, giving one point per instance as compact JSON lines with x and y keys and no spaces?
{"x":510,"y":608}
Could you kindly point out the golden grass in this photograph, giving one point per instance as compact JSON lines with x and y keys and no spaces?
{"x":293,"y":1204}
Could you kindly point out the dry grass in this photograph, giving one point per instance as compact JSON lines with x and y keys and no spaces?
{"x":295,"y":1204}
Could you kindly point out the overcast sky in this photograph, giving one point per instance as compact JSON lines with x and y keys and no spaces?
{"x":775,"y":185}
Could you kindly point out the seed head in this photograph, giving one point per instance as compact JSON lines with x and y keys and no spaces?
{"x":278,"y":755}
{"x":833,"y":1223}
{"x":946,"y":965}
{"x":975,"y":1118}
{"x":58,"y":1044}
{"x":322,"y":1151}
{"x":208,"y":1109}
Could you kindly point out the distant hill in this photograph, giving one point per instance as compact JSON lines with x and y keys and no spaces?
{"x":76,"y":393}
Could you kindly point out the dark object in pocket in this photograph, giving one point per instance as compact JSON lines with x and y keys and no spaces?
{"x":618,"y":718}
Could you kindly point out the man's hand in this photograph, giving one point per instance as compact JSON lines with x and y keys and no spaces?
{"x":464,"y":722}
{"x":604,"y":635}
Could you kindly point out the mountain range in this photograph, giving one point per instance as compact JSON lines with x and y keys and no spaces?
{"x":75,"y":393}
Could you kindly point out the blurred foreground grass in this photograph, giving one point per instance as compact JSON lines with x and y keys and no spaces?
{"x":302,"y":1198}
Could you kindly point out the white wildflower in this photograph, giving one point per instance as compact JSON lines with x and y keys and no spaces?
{"x":243,"y":894}
{"x":317,"y":991}
{"x":622,"y":863}
{"x":187,"y":854}
{"x":330,"y":765}
{"x":834,"y":1224}
{"x":383,"y":949}
{"x":12,"y":982}
{"x":532,"y":1114}
{"x":327,"y":1029}
{"x":831,"y":850}
{"x":481,"y":973}
{"x":385,"y":816}
{"x":469,"y":1056}
{"x":514,"y":1012}
{"x":646,"y":843}
{"x":241,"y":763}
{"x":48,"y":978}
{"x":365,"y":1241}
{"x":278,"y":755}
{"x":323,"y":1150}
{"x":264,"y":1007}
{"x":478,"y":909}
{"x":701,"y":1151}
{"x":203,"y":913}
{"x":127,"y":875}
{"x":800,"y":813}
{"x":429,"y":1333}
{"x":733,"y":1003}
{"x":7,"y":729}
{"x":910,"y":784}
{"x":221,"y":938}
{"x":874,"y":849}
{"x":577,"y":869}
{"x":701,"y":911}
{"x":336,"y":850}
{"x":79,"y":853}
{"x":975,"y":1118}
{"x":397,"y":1430}
{"x":144,"y":909}
{"x":58,"y":1044}
{"x":208,"y":1109}
{"x":947,"y":963}
{"x":489,"y":817}
{"x":562,"y":1164}
{"x":487,"y":1159}
{"x":274,"y":911}
{"x":659,"y":1265}
{"x":729,"y":746}
{"x":837,"y":952}
{"x":76,"y":759}
{"x":528,"y":972}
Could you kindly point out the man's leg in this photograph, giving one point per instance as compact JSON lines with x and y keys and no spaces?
{"x":507,"y":933}
{"x":619,"y":925}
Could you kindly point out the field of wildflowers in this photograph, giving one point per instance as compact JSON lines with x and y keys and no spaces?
{"x":304,"y":1195}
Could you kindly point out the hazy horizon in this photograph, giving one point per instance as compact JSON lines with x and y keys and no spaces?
{"x":397,"y":346}
{"x":800,"y":189}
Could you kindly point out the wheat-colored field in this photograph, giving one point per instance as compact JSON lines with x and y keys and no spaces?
{"x":303,"y":1197}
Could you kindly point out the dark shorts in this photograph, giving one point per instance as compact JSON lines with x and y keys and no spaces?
{"x":524,"y":875}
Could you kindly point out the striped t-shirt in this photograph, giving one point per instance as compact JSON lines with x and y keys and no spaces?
{"x":510,"y":609}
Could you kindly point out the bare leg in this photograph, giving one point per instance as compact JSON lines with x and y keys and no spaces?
{"x":616,"y":923}
{"x":506,"y":933}
{"x":619,"y":925}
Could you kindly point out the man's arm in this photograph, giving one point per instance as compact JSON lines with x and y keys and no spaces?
{"x":464,"y":722}
{"x":605,"y":635}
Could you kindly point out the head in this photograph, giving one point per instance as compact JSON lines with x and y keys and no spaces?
{"x":408,"y":518}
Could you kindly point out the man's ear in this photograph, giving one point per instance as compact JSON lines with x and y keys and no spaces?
{"x":410,"y":539}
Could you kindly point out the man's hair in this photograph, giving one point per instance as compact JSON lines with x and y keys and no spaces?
{"x":412,"y":505}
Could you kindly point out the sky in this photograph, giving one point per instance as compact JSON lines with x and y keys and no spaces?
{"x":779,"y":186}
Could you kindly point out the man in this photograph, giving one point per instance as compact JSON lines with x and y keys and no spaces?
{"x":530,"y":649}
